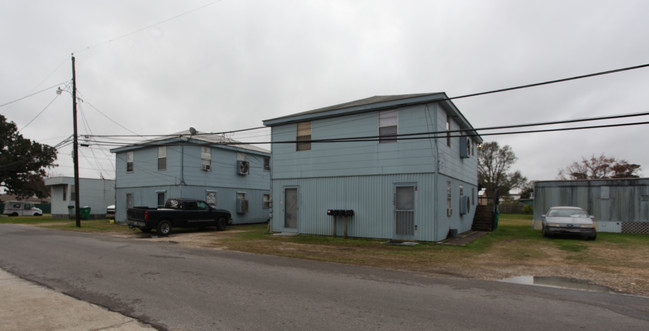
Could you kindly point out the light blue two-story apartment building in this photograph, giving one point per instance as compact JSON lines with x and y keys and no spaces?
{"x":406,"y":165}
{"x":225,"y":173}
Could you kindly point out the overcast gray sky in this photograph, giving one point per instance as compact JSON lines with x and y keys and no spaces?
{"x":230,"y":64}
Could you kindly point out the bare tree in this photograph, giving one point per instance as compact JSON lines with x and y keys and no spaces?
{"x":600,"y":167}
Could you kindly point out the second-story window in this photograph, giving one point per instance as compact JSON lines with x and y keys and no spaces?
{"x":206,"y":158}
{"x":129,"y":161}
{"x":267,"y":163}
{"x":303,"y":136}
{"x":388,"y":122}
{"x":162,"y":158}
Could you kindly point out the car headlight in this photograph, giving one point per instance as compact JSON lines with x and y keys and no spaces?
{"x":589,"y":226}
{"x":554,"y":224}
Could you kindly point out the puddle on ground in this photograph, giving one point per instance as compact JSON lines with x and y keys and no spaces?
{"x":560,"y":282}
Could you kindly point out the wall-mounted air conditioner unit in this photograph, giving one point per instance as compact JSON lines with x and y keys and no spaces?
{"x":206,"y":167}
{"x":242,"y":206}
{"x":465,"y":204}
{"x":243,"y":168}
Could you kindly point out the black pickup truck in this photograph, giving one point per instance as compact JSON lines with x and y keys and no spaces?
{"x":187,"y":213}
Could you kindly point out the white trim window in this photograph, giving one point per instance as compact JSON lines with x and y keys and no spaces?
{"x":303,"y":137}
{"x":388,"y":126}
{"x":129,"y":161}
{"x":266,"y":201}
{"x":162,"y":158}
{"x":206,"y":158}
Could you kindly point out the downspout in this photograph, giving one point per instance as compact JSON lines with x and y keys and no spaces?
{"x":436,"y":174}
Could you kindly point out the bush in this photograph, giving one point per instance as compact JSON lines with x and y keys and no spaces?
{"x":528,"y":209}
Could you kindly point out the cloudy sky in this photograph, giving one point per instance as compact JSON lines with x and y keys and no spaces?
{"x":158,"y":67}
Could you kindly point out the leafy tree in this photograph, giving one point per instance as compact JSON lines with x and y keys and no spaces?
{"x":493,"y":166}
{"x":600,"y":167}
{"x":23,"y":162}
{"x":527,"y":190}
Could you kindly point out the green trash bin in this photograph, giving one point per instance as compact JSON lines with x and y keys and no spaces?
{"x":85,"y":212}
{"x":496,"y":219}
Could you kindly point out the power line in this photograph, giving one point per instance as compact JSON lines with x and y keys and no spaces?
{"x":146,"y":27}
{"x":551,"y":82}
{"x":462,"y":131}
{"x":32,"y":94}
{"x":39,"y":113}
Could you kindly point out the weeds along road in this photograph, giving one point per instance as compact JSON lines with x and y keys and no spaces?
{"x":172,"y":287}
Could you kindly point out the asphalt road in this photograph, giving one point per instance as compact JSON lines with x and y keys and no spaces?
{"x":177,"y":288}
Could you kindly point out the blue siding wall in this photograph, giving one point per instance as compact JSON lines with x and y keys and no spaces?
{"x":357,"y":158}
{"x":372,"y":199}
{"x":183,"y":178}
{"x":363,"y":175}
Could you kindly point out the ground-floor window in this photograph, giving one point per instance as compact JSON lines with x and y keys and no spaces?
{"x":266,"y":201}
{"x":161,"y":199}
{"x":129,"y":200}
{"x":210,"y":198}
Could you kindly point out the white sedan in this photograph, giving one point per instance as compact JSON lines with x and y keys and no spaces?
{"x":568,"y":221}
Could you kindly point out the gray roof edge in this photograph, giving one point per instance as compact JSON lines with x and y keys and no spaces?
{"x":392,"y":101}
{"x":356,"y":106}
{"x":193,"y":140}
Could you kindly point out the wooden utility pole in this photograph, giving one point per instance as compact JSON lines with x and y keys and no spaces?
{"x":77,"y":210}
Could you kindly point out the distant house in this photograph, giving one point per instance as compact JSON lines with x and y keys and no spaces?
{"x":94,"y":193}
{"x":618,"y":205}
{"x":225,"y":173}
{"x":419,"y":185}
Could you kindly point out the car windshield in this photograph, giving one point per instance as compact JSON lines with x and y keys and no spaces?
{"x":567,"y":213}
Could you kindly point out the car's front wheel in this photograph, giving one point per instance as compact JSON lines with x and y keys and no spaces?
{"x":164,"y":228}
{"x":545,"y":232}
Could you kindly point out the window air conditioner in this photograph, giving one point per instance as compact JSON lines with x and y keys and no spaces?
{"x":243,"y":167}
{"x":242,"y":206}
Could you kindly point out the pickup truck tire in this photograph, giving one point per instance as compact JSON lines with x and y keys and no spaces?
{"x":164,"y":228}
{"x":221,"y":224}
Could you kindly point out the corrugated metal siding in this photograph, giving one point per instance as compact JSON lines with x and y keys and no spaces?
{"x":355,"y":158}
{"x":145,"y":180}
{"x":622,"y":200}
{"x":372,"y":199}
{"x":226,"y":198}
